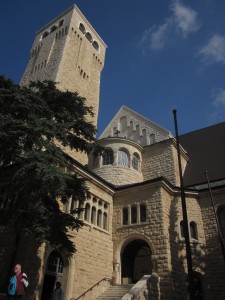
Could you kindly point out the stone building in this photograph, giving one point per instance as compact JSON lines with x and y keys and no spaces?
{"x":132,"y":241}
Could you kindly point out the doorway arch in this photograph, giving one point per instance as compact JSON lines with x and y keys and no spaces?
{"x":53,"y":273}
{"x":136,"y":261}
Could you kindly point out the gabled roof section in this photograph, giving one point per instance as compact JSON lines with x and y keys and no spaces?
{"x":131,"y":125}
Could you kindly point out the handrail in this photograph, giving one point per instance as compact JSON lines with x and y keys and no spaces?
{"x":94,"y":285}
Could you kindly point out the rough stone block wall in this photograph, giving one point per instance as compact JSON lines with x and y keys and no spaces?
{"x":213,"y":260}
{"x":93,"y":259}
{"x":172,"y":211}
{"x":152,"y":231}
{"x":160,"y":159}
{"x":119,"y":175}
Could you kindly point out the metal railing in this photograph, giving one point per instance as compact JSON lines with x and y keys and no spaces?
{"x":94,"y":285}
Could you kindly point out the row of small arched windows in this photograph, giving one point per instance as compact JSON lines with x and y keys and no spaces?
{"x":53,"y":28}
{"x":96,"y":217}
{"x":123,"y":158}
{"x":192,"y":228}
{"x":95,"y":212}
{"x":89,"y":36}
{"x":134,"y":214}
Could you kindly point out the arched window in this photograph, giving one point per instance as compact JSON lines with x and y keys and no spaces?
{"x":74,"y":204}
{"x":108,"y":157}
{"x":182,"y":229}
{"x":193,"y":230}
{"x":61,"y":23}
{"x":122,"y":158}
{"x":89,"y":36}
{"x":87,"y":212}
{"x":55,"y":263}
{"x":133,"y":214}
{"x":82,"y":28}
{"x":221,"y":216}
{"x":125,"y":216}
{"x":93,"y":215}
{"x":105,"y":221}
{"x":99,"y":218}
{"x":152,"y":138}
{"x":142,"y":213}
{"x":53,"y":28}
{"x":95,"y":45}
{"x":135,"y":161}
{"x":45,"y":34}
{"x":53,"y":273}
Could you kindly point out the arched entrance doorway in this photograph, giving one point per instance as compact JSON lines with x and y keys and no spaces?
{"x":136,"y":261}
{"x":53,"y":273}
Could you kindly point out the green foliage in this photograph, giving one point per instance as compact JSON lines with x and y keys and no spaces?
{"x":33,"y":166}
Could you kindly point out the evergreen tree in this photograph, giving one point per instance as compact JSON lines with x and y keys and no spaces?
{"x":34,"y":181}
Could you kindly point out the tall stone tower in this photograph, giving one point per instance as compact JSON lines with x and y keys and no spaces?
{"x":70,"y":52}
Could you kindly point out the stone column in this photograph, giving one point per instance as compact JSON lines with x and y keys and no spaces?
{"x":70,"y":279}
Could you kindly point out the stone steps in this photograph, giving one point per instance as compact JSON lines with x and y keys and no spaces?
{"x":115,"y":292}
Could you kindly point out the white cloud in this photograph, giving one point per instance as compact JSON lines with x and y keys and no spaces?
{"x":214,"y":50}
{"x":155,"y":37}
{"x":185,"y":18}
{"x":182,"y":21}
{"x":218,"y":96}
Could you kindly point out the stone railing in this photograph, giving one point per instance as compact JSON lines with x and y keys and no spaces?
{"x":146,"y":288}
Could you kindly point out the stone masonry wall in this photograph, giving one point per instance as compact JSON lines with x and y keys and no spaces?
{"x":214,"y":261}
{"x":160,"y":159}
{"x":172,"y":210}
{"x":152,"y":231}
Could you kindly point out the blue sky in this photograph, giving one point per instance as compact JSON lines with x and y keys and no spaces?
{"x":162,"y":54}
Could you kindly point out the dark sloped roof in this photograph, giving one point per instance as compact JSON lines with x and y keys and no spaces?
{"x":206,"y":151}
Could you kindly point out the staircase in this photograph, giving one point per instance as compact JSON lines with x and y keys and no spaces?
{"x":115,"y":292}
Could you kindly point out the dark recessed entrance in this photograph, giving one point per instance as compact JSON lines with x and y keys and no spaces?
{"x":136,"y":261}
{"x":54,"y":272}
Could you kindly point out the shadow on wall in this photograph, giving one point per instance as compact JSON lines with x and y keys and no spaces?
{"x":18,"y":250}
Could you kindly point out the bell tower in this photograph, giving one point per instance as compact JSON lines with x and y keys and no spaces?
{"x":70,"y":52}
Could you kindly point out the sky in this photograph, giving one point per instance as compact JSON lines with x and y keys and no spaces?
{"x":162,"y":55}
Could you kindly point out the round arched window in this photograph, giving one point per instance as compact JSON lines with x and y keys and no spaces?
{"x":122,"y":158}
{"x":55,"y":263}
